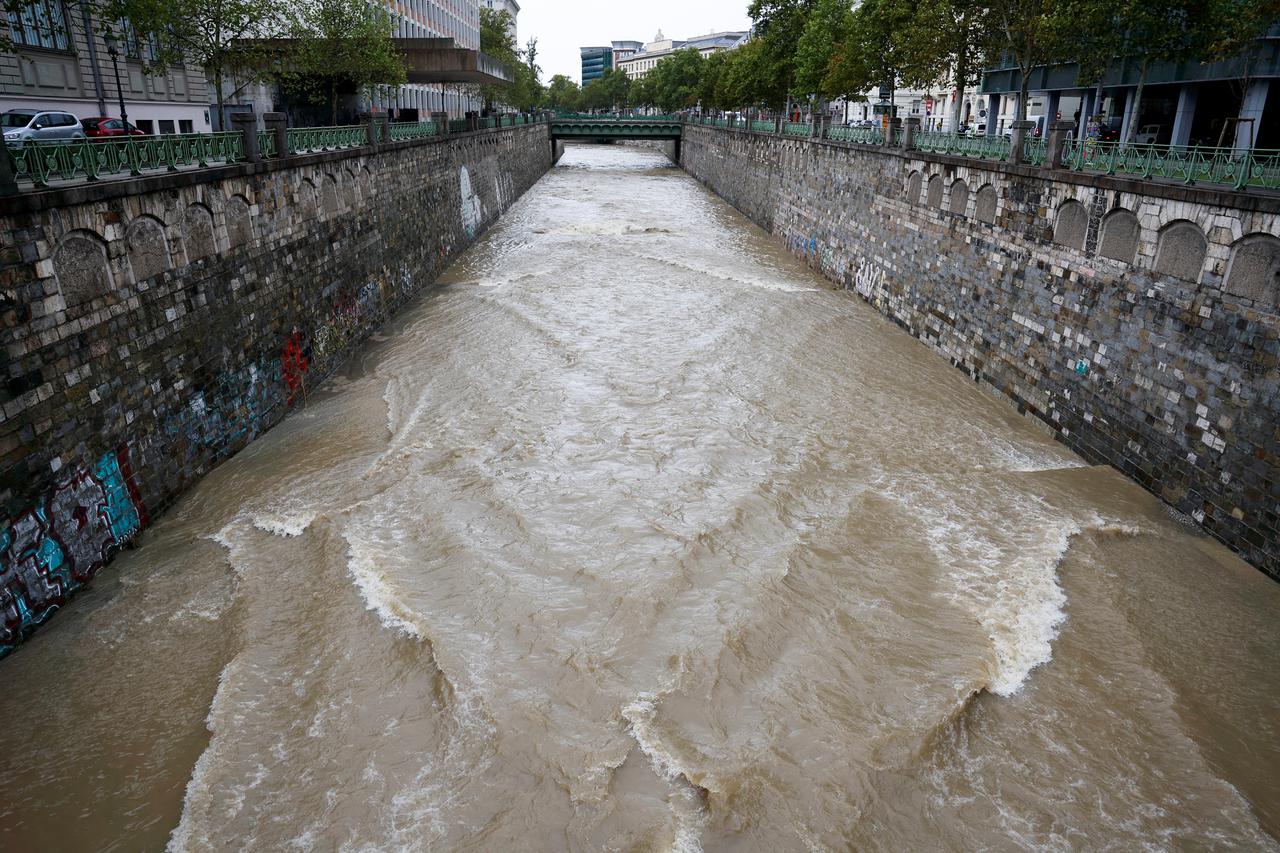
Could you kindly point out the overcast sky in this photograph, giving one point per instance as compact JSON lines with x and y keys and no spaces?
{"x":563,"y":26}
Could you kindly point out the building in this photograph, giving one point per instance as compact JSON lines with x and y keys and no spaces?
{"x":65,"y":60}
{"x":595,"y":62}
{"x":623,"y":50}
{"x":934,"y":107}
{"x":641,"y":62}
{"x":511,"y":7}
{"x":455,"y":19}
{"x":1232,"y":103}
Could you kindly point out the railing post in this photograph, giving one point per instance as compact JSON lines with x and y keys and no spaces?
{"x":1057,"y":143}
{"x":8,"y":172}
{"x":278,"y":125}
{"x":384,"y":129}
{"x":247,"y":125}
{"x":1017,"y":141}
{"x":441,"y":120}
{"x":888,"y":131}
{"x":473,"y":121}
{"x":909,"y":132}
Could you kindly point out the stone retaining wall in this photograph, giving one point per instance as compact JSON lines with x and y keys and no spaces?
{"x":1138,"y":321}
{"x":154,"y":327}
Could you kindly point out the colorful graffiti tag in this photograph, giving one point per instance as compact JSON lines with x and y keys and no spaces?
{"x":51,"y":550}
{"x":294,"y":366}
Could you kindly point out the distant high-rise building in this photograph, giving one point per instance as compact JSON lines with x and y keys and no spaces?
{"x":625,"y":50}
{"x":595,"y":62}
{"x":511,"y":7}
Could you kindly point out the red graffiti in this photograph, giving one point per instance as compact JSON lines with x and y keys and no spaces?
{"x":294,"y":366}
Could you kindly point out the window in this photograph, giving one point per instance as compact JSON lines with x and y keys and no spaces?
{"x":43,"y":23}
{"x":185,"y":125}
{"x":166,"y":125}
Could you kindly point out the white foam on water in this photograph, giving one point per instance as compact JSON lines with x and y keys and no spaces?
{"x":381,"y":596}
{"x":188,"y":832}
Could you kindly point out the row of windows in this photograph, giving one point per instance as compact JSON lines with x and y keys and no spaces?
{"x":1253,"y":271}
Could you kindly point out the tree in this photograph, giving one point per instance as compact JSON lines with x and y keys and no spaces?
{"x":562,"y":93}
{"x":677,"y":80}
{"x":339,"y":44}
{"x":954,"y":34}
{"x":828,"y":23}
{"x":779,"y":25}
{"x":1035,"y":33}
{"x":224,"y":37}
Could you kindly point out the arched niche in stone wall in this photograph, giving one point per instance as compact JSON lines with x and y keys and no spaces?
{"x":1181,"y":250}
{"x":239,"y":221}
{"x":914,"y":184}
{"x":148,"y":247}
{"x":81,"y":267}
{"x":935,"y":191}
{"x":308,"y":200}
{"x":985,"y":207}
{"x":1120,"y":232}
{"x":329,"y":194}
{"x":1254,"y":271}
{"x":197,"y":232}
{"x":959,"y":198}
{"x":1072,"y":224}
{"x":351,"y":187}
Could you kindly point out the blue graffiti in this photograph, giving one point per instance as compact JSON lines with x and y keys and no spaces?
{"x":50,"y":551}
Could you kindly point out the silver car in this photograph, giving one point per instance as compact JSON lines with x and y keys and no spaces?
{"x":21,"y":126}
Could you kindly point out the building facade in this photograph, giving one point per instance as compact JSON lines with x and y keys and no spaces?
{"x":63,"y":59}
{"x":455,"y":19}
{"x":512,"y":8}
{"x":595,"y":62}
{"x":640,"y":63}
{"x":1231,"y":103}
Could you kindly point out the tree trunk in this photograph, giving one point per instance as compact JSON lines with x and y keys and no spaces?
{"x":1137,"y":104}
{"x":219,"y":97}
{"x":333,"y":103}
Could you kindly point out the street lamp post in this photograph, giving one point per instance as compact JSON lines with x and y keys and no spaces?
{"x":114,"y":52}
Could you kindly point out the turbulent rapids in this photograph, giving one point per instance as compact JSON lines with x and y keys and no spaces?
{"x":636,"y":536}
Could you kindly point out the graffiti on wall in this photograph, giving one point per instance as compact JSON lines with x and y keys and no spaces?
{"x":51,"y":550}
{"x":472,"y":212}
{"x":294,"y":366}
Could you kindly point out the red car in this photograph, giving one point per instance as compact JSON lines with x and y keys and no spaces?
{"x":100,"y":126}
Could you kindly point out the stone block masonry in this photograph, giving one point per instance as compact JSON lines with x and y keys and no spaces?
{"x":1138,"y":321}
{"x":154,"y":327}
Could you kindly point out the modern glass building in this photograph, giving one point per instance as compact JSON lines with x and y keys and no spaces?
{"x":595,"y":61}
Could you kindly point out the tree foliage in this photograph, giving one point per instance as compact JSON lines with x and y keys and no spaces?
{"x":563,"y":94}
{"x":524,"y":92}
{"x":340,"y":45}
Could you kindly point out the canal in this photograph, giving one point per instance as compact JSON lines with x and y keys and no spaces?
{"x":635,"y":535}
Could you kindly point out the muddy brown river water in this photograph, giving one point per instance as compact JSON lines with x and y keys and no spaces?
{"x":637,"y":536}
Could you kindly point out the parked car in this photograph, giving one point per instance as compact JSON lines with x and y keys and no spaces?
{"x":1148,"y":135}
{"x":21,"y":126}
{"x":103,"y":126}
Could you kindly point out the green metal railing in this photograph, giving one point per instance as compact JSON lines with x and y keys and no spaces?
{"x":37,"y":164}
{"x":413,"y":130}
{"x":1034,"y":150}
{"x":307,"y":140}
{"x":859,"y":135}
{"x":796,"y":128}
{"x":763,"y":126}
{"x":1235,"y":167}
{"x":41,"y":162}
{"x":981,"y":147}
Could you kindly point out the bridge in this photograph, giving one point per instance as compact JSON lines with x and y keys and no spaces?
{"x":596,"y":128}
